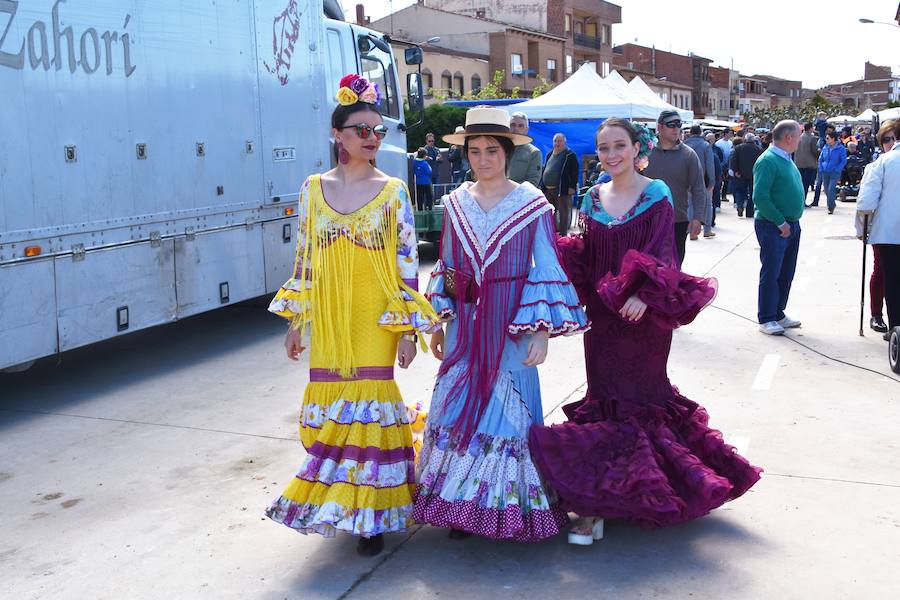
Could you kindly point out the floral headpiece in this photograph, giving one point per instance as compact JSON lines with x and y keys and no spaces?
{"x":354,"y":88}
{"x":648,"y":141}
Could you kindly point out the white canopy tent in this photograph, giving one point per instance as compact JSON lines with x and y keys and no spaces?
{"x":866,"y":115}
{"x":585,"y":95}
{"x":640,"y":87}
{"x":842,"y":119}
{"x":889,"y":114}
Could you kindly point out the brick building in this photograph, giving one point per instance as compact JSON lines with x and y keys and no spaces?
{"x":782,"y":92}
{"x":752,"y":94}
{"x":672,"y":92}
{"x":877,"y":87}
{"x":521,"y":53}
{"x":690,"y":70}
{"x":584,"y":25}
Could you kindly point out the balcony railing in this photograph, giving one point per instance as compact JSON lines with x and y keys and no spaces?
{"x":589,"y":41}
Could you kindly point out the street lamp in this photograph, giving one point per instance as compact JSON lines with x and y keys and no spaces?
{"x":870,"y":21}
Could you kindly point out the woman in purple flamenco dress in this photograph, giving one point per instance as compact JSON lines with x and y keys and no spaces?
{"x":634,"y":448}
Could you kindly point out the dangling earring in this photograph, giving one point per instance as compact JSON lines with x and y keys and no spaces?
{"x":343,"y":155}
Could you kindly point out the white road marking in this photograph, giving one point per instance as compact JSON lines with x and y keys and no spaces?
{"x":820,"y":244}
{"x":812,"y":261}
{"x":800,"y":284}
{"x":741,"y":444}
{"x":766,"y":372}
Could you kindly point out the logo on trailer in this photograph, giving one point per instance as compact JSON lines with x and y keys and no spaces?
{"x":285,"y":32}
{"x":90,"y":51}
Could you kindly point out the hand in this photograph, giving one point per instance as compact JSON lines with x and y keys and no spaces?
{"x":785,"y":229}
{"x":292,"y":344}
{"x":633,"y":309}
{"x":437,"y":344}
{"x":406,"y":353}
{"x":695,"y":227}
{"x":537,"y":349}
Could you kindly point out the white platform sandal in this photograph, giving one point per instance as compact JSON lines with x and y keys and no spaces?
{"x":581,"y":539}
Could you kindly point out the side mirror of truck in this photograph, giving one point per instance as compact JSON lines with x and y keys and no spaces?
{"x":413,"y":56}
{"x":415,"y":95}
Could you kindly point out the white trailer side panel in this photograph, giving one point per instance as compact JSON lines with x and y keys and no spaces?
{"x":279,"y":248}
{"x":91,"y":293}
{"x":28,"y":308}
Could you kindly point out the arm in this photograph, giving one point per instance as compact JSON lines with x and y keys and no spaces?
{"x":871,"y":188}
{"x":763,"y":181}
{"x":698,"y":186}
{"x":533,"y":174}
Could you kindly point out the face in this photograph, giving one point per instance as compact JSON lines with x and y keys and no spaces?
{"x":791,"y":141}
{"x":518,"y":125}
{"x":616,"y":151}
{"x":487,"y":158}
{"x":829,"y":139}
{"x":887,"y":141}
{"x":429,"y":140}
{"x":559,"y":143}
{"x":358,"y":147}
{"x":669,"y":132}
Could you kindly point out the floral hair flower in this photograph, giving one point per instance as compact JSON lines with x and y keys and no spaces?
{"x":647,"y":139}
{"x":354,"y":88}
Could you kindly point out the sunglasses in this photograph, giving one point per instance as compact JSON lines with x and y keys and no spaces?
{"x":888,"y":139}
{"x":364,"y":130}
{"x":673,"y":124}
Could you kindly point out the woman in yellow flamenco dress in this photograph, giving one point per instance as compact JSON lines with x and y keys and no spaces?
{"x":355,"y":288}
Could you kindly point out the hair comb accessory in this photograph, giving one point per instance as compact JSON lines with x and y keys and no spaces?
{"x":354,"y":88}
{"x":647,"y":139}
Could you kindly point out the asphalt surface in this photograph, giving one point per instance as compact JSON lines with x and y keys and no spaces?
{"x":140,"y":467}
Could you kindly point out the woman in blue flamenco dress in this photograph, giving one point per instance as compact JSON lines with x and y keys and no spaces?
{"x":502,"y":293}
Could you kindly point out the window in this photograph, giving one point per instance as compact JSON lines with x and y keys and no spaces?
{"x":336,"y":63}
{"x":605,"y":69}
{"x":606,"y":34}
{"x":447,"y":83}
{"x":516,"y":64}
{"x":590,"y":29}
{"x":568,"y":25}
{"x":579,"y":27}
{"x":459,"y":86}
{"x":427,"y":83}
{"x":476,"y":84}
{"x":569,"y":64}
{"x":378,"y":67}
{"x":551,"y":69}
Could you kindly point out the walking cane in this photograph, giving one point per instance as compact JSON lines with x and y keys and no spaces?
{"x":862,"y":290}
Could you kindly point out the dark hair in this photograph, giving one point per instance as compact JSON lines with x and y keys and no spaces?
{"x":624,"y":124}
{"x":695,"y":129}
{"x":341,"y":114}
{"x":738,"y":140}
{"x":420,"y":153}
{"x":807,"y":126}
{"x":507,"y":144}
{"x":832,"y":134}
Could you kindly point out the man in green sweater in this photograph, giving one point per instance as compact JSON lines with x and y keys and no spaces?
{"x":778,"y":195}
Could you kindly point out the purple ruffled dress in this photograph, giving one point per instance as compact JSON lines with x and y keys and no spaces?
{"x":634,"y":448}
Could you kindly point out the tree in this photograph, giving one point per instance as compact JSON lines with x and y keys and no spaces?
{"x":768,"y":117}
{"x":439,"y":119}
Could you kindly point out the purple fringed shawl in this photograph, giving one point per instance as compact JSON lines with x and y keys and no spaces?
{"x":500,"y":269}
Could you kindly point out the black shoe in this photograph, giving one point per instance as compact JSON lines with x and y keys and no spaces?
{"x":877,"y":324}
{"x":740,"y":212}
{"x":370,"y":546}
{"x":458,"y":534}
{"x":830,"y":211}
{"x":887,"y":336}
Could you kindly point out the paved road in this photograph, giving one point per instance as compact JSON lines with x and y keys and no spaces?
{"x":140,"y":467}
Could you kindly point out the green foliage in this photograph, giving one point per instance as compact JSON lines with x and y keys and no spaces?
{"x":493,"y":89}
{"x":542,"y":87}
{"x":439,"y":119}
{"x":806,"y":112}
{"x":891,"y":104}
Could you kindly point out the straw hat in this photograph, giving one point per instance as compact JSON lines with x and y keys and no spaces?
{"x":486,"y":120}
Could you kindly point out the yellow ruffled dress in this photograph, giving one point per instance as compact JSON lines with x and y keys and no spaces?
{"x":354,"y":286}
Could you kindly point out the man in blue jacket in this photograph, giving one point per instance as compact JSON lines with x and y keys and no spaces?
{"x":831,"y":163}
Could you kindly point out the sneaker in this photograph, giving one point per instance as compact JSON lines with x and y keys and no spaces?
{"x":788,"y":323}
{"x":740,"y":212}
{"x":771,"y":328}
{"x":878,"y":324}
{"x":709,"y":234}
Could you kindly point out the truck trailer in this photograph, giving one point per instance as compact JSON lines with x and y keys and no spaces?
{"x":152,"y":153}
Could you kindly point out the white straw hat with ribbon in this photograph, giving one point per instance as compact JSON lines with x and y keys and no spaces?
{"x":486,"y":120}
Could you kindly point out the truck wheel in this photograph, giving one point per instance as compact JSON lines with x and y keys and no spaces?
{"x":894,"y":350}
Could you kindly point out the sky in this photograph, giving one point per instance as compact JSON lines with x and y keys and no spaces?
{"x":816,"y":42}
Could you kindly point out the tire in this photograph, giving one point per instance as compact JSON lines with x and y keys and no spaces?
{"x":894,"y":350}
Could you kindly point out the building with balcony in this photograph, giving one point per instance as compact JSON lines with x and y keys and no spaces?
{"x":752,"y":94}
{"x":877,"y":87}
{"x":521,"y":53}
{"x":585,"y":25}
{"x":674,"y":93}
{"x":782,"y":92}
{"x":690,"y":70}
